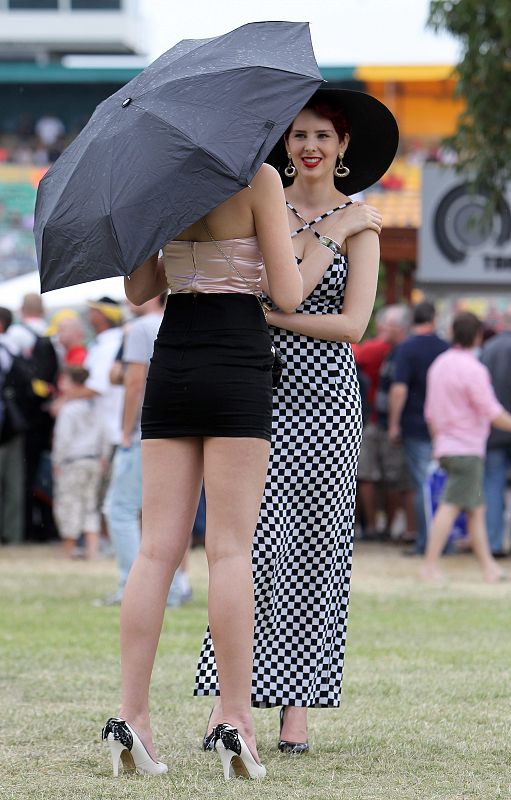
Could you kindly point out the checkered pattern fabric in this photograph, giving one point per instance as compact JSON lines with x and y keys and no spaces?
{"x":303,"y":543}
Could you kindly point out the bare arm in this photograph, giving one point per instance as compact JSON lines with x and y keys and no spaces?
{"x":268,"y":205}
{"x":146,"y":282}
{"x":346,"y":223}
{"x":397,"y":399}
{"x":134,"y":385}
{"x":312,"y":268}
{"x":85,"y":393}
{"x":503,"y":421}
{"x":431,"y":429}
{"x":350,"y":325}
{"x":353,"y":219}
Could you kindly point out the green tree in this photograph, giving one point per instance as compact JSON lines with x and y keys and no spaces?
{"x":482,"y":141}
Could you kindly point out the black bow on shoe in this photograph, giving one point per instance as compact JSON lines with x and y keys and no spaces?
{"x":119,"y":730}
{"x":208,"y":741}
{"x":228,"y":736}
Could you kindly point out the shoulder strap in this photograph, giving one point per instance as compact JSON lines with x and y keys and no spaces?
{"x":232,"y":266}
{"x":30,"y":330}
{"x":310,"y":225}
{"x":10,"y":355}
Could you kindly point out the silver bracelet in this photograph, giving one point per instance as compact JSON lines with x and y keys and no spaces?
{"x":332,"y":245}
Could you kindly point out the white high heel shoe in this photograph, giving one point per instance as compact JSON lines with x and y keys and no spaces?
{"x":236,"y":758}
{"x":126,"y":746}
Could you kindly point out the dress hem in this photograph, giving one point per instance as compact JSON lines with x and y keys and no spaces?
{"x":282,"y":701}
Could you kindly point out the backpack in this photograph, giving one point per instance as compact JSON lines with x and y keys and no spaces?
{"x":25,"y":387}
{"x":15,"y":385}
{"x":43,"y":359}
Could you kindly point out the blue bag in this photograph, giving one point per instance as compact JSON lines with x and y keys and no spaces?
{"x":433,"y":490}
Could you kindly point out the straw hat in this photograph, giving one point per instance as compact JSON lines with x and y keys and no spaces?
{"x":109,"y":308}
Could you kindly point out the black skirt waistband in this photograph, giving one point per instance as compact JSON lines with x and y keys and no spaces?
{"x":213,"y":311}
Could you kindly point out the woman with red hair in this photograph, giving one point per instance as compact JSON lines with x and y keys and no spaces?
{"x":341,"y":143}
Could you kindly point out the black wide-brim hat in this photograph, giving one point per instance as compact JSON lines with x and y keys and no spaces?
{"x":374,"y":138}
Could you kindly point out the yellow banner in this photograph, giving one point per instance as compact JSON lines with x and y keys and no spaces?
{"x":19,"y":173}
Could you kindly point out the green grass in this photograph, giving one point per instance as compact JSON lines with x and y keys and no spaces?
{"x":426,"y":702}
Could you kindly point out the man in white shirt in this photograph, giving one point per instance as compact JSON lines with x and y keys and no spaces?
{"x":22,"y":335}
{"x":123,"y":501}
{"x":105,"y":318}
{"x":49,"y":129}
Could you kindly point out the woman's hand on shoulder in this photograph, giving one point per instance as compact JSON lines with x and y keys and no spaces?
{"x":355,"y":218}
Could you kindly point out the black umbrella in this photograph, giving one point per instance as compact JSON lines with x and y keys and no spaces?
{"x":187,"y":133}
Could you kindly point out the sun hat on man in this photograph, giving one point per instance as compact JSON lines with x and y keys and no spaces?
{"x":110,"y":308}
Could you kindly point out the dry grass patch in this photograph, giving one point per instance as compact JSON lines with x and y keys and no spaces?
{"x":425,"y":710}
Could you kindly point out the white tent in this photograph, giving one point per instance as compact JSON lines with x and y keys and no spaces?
{"x":13,"y":290}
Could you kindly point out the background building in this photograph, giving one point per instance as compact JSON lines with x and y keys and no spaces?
{"x":60,"y":58}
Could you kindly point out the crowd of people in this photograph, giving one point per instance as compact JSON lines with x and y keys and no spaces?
{"x":93,"y":359}
{"x":419,"y":417}
{"x":36,"y":142}
{"x":70,"y":430}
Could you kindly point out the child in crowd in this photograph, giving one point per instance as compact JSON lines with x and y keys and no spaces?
{"x":460,"y":408}
{"x":80,"y":450}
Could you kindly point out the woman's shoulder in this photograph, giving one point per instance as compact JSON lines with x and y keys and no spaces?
{"x":266,"y":191}
{"x":265,"y":176}
{"x":342,"y":199}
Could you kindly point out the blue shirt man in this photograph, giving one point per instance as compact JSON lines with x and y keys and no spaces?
{"x":406,"y":404}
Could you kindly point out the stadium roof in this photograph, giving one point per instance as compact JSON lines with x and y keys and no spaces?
{"x":30,"y":72}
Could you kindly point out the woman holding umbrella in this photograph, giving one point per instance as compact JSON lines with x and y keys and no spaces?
{"x":340,"y":143}
{"x":207,"y":415}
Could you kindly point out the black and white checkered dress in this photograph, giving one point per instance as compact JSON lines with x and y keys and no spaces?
{"x":304,"y":539}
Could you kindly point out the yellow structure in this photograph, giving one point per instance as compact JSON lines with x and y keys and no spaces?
{"x":422,"y":98}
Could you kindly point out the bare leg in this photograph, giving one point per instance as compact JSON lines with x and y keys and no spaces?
{"x":184,"y":584}
{"x":368,"y":504}
{"x":217,"y":715}
{"x":172,"y":478}
{"x":234,"y":477}
{"x":479,"y":540}
{"x":295,"y":724}
{"x":439,"y":532}
{"x":69,"y":547}
{"x":392,"y":501}
{"x":409,"y":507}
{"x":91,"y":545}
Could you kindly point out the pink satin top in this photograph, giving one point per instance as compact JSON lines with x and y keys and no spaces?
{"x":200,"y":267}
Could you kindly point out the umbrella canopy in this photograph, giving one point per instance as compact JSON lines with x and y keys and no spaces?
{"x":187,"y":133}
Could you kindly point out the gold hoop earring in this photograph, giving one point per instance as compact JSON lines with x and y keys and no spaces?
{"x":341,"y":171}
{"x":290,"y":170}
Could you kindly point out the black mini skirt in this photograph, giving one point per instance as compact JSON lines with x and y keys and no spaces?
{"x":210,"y":374}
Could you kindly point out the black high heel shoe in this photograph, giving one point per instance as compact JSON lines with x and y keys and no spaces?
{"x":296,"y":748}
{"x":208,"y":740}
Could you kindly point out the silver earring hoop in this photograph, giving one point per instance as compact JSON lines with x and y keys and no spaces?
{"x":341,"y":171}
{"x":290,"y":170}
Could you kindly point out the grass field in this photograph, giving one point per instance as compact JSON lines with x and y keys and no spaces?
{"x":426,"y":702}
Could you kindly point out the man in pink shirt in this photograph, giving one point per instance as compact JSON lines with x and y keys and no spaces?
{"x":460,"y":408}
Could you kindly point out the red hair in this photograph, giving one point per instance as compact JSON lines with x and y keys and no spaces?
{"x":336,"y":116}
